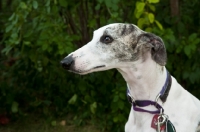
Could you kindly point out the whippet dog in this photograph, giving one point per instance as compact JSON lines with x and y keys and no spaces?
{"x":159,"y":102}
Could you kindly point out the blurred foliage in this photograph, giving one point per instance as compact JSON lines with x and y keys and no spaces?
{"x":35,"y":35}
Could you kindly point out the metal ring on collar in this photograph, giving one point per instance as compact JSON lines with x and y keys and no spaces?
{"x":132,"y":99}
{"x":156,"y":100}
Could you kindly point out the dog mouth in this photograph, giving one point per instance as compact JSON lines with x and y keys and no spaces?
{"x":83,"y":72}
{"x":99,"y":66}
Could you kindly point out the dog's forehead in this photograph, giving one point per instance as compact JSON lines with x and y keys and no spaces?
{"x":102,"y":29}
{"x":116,"y":28}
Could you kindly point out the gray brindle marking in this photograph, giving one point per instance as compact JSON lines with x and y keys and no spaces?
{"x":140,"y":57}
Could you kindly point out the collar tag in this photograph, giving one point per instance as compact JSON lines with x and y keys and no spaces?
{"x":155,"y":121}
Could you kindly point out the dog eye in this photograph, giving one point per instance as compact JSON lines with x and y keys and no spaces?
{"x":106,"y":39}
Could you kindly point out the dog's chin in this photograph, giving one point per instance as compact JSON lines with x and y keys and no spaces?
{"x":84,"y":72}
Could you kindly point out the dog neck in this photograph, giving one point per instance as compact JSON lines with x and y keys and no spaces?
{"x":144,"y":78}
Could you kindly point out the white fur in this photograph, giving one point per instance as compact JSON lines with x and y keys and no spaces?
{"x":145,"y":79}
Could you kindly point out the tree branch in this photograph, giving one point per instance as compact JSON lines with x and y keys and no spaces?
{"x":174,"y":5}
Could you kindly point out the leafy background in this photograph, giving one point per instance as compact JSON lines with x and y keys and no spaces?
{"x":35,"y":35}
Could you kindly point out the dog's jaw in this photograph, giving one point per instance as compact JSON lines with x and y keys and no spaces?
{"x":94,"y":69}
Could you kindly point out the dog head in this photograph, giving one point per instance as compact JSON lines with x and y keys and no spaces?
{"x":113,"y":46}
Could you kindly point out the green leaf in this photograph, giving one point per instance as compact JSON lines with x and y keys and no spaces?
{"x":151,"y":17}
{"x":138,"y":14}
{"x":53,"y":123}
{"x":63,"y":3}
{"x":192,"y":37}
{"x":8,"y":28}
{"x":100,"y":1}
{"x":115,"y":1}
{"x":140,"y":6}
{"x":179,"y":49}
{"x":47,"y":102}
{"x":122,"y":96}
{"x":196,"y":41}
{"x":187,"y":50}
{"x":115,"y":7}
{"x":45,"y":47}
{"x":116,"y":98}
{"x":139,"y":9}
{"x":93,"y":107}
{"x":152,"y":7}
{"x":192,"y":46}
{"x":55,"y":2}
{"x":148,"y":29}
{"x":97,"y":7}
{"x":141,"y":22}
{"x":14,"y":107}
{"x":26,"y":42}
{"x":14,"y":35}
{"x":159,"y":25}
{"x":121,"y":105}
{"x":108,"y":3}
{"x":186,"y":75}
{"x":35,"y":4}
{"x":48,"y":9}
{"x":48,"y":3}
{"x":153,"y":1}
{"x":180,"y":27}
{"x":23,"y":5}
{"x":6,"y":50}
{"x":73,"y":99}
{"x":15,"y":20}
{"x":115,"y":119}
{"x":115,"y":14}
{"x":11,"y":17}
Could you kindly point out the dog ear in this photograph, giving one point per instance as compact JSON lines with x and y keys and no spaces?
{"x":158,"y":51}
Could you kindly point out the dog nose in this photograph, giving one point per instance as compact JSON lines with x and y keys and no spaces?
{"x":67,"y":62}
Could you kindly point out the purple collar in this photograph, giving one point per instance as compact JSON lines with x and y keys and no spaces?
{"x":143,"y":103}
